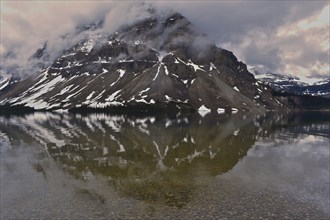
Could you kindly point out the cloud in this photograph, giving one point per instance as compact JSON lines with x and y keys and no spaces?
{"x":26,"y":26}
{"x":297,"y":44}
{"x":285,"y":36}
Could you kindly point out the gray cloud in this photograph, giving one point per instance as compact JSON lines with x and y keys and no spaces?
{"x":249,"y":28}
{"x":229,"y":21}
{"x":268,"y":57}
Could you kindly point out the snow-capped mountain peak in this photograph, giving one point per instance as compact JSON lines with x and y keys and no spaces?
{"x":154,"y":64}
{"x":287,"y":83}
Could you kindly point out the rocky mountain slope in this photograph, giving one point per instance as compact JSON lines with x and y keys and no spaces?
{"x":159,"y":63}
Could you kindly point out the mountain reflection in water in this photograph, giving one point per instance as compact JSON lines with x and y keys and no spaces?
{"x":156,"y":159}
{"x":152,"y":158}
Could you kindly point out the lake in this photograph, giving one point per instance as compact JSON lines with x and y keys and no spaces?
{"x":217,"y":166}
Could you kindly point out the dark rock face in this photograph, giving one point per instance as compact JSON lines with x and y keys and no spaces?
{"x":155,"y":62}
{"x":6,"y":84}
{"x":40,"y":52}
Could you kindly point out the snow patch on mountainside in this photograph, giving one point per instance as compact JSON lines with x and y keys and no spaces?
{"x":32,"y":100}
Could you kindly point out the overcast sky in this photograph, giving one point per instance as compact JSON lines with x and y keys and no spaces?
{"x":280,"y":36}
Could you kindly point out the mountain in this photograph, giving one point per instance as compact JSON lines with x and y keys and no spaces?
{"x":320,"y":88}
{"x":292,"y":84}
{"x":4,"y":82}
{"x":157,"y":63}
{"x":7,"y":82}
{"x":45,"y":55}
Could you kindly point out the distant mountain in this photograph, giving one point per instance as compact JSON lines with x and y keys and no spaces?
{"x":292,"y":84}
{"x":320,"y":88}
{"x":159,"y":63}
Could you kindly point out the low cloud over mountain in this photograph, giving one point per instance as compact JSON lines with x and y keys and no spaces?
{"x":286,"y":36}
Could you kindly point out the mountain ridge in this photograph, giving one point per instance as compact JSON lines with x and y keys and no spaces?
{"x":292,"y":84}
{"x":160,"y":63}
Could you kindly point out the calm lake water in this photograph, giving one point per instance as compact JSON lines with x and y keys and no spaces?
{"x":98,"y":166}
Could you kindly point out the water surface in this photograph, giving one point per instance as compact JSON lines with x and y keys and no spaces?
{"x":99,"y":166}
